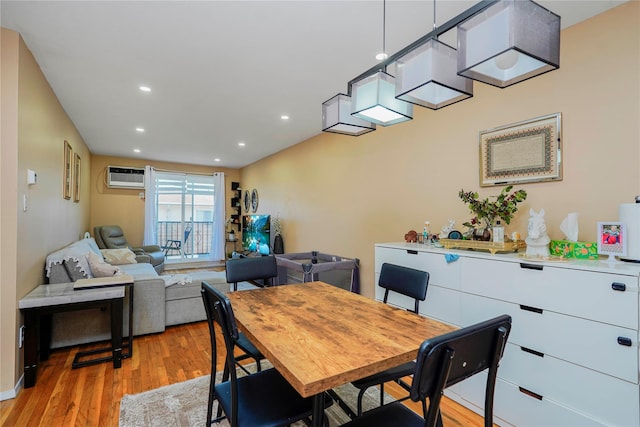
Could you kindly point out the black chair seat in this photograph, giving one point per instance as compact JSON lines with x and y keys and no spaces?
{"x":392,"y":415}
{"x":265,"y":399}
{"x":387,"y":375}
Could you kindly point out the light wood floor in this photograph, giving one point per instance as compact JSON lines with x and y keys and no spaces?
{"x":90,"y":396}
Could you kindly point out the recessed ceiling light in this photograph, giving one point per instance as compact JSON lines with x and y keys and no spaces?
{"x":216,"y":159}
{"x":140,"y":130}
{"x":284,"y":117}
{"x":136,"y":150}
{"x":145,"y":88}
{"x":241,"y":144}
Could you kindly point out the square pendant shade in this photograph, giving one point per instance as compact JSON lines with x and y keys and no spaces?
{"x":337,"y":118}
{"x":427,"y":76}
{"x":373,"y":99}
{"x":510,"y":41}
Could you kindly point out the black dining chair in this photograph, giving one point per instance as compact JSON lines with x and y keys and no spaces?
{"x":261,"y":399}
{"x":252,"y":268}
{"x":405,"y":281}
{"x":442,"y":362}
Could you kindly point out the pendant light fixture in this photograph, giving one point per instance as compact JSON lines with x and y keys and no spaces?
{"x":337,"y":118}
{"x":427,"y":75}
{"x":508,"y":42}
{"x":500,"y":42}
{"x":373,"y":95}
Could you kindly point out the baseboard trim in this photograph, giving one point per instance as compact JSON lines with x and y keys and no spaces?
{"x":11,"y":394}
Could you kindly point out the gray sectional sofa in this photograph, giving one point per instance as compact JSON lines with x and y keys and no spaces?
{"x":156,"y":304}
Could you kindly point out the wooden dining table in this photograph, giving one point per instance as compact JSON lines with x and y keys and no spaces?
{"x":319,"y":336}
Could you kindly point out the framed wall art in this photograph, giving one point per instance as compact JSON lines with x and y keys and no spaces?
{"x":527,"y":151}
{"x":76,"y":177}
{"x":612,"y":239}
{"x":67,"y":171}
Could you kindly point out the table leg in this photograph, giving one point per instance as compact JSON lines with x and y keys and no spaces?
{"x":116,"y":332}
{"x":45,"y":325}
{"x":30,"y":348}
{"x":318,"y":410}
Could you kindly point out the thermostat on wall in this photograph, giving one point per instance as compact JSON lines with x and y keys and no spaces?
{"x":32,"y":177}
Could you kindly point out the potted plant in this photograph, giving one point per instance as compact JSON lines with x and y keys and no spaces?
{"x":487,"y":211}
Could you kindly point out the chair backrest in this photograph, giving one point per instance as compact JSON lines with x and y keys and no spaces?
{"x":219,"y":310}
{"x":110,"y":237}
{"x":404,"y":280}
{"x":453,"y":357}
{"x":251,"y":268}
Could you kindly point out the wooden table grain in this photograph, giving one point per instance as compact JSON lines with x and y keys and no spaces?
{"x":319,"y":336}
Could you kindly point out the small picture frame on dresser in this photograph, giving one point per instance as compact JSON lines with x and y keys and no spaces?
{"x":612,"y":239}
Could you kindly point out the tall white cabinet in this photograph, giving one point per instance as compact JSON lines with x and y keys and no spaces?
{"x":572,"y":355}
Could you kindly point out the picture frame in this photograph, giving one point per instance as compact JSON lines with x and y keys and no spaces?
{"x":67,"y":171}
{"x":246,"y":200}
{"x":254,"y":200}
{"x":612,"y":239}
{"x":76,"y":177}
{"x":523,"y":152}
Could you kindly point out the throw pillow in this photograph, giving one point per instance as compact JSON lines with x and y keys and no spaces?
{"x":99,"y":268}
{"x":119,"y":256}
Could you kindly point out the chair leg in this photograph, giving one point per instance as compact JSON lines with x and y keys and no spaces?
{"x":360,"y":395}
{"x":381,"y":394}
{"x":211,"y":399}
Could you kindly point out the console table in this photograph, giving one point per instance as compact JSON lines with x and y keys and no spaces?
{"x":45,"y":300}
{"x":572,"y":357}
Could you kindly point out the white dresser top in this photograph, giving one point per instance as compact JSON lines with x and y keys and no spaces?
{"x":619,"y":267}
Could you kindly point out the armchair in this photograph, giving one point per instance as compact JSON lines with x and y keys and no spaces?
{"x":112,"y":237}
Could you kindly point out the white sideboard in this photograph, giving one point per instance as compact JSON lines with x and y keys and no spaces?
{"x":572,"y":355}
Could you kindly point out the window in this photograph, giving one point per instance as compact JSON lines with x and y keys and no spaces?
{"x":184,"y":206}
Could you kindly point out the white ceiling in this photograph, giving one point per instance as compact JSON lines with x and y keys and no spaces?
{"x":221,"y":72}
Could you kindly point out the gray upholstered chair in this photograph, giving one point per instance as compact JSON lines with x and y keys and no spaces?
{"x":112,"y":237}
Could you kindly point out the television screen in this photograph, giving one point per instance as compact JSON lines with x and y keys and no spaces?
{"x":256,"y":233}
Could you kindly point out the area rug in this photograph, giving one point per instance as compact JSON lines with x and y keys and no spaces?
{"x":185,"y":405}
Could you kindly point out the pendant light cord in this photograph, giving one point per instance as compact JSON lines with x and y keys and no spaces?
{"x":434,"y":17}
{"x":384,"y":27}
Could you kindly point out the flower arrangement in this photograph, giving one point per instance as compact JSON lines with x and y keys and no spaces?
{"x":487,"y":211}
{"x":277,"y":227}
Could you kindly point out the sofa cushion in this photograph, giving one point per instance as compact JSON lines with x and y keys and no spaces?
{"x":141,"y":271}
{"x":76,"y":251}
{"x":99,"y":268}
{"x":119,"y":256}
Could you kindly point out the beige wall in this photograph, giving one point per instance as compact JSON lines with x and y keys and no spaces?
{"x":124,"y":207}
{"x":341,"y":195}
{"x":34,"y":128}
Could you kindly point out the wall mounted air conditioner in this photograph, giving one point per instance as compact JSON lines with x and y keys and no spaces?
{"x":125,"y":177}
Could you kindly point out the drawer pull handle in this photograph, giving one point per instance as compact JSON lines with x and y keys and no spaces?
{"x":616,"y":286}
{"x":624,"y":341}
{"x":532,"y":266}
{"x":531,"y":351}
{"x":530,"y":393}
{"x":409,"y":251}
{"x":532,"y":309}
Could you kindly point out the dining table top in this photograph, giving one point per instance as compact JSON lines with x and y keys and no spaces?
{"x":319,"y":336}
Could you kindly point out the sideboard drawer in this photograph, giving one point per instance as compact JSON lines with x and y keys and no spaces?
{"x":579,"y":293}
{"x":584,"y":342}
{"x":441,"y":273}
{"x":521,"y":409}
{"x":583,"y":390}
{"x":442,"y":304}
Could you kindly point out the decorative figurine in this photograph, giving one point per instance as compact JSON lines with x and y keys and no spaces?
{"x":444,"y":231}
{"x":537,"y":240}
{"x":411,"y":236}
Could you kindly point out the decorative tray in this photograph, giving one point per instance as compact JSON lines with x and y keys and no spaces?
{"x":492,"y":247}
